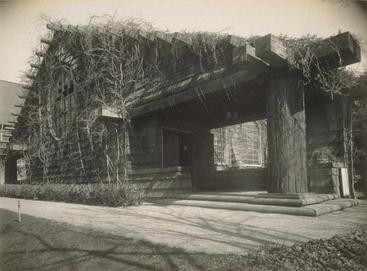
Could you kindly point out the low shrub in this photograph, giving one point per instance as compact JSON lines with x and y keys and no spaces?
{"x":114,"y":194}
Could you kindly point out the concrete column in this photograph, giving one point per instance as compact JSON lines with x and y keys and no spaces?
{"x":2,"y":171}
{"x":287,"y":167}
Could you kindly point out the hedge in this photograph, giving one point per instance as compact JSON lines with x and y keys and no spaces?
{"x":114,"y":194}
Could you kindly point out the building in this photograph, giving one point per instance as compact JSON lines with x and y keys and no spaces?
{"x":10,"y":104}
{"x":111,"y":103}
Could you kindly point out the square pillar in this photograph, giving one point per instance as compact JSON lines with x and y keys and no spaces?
{"x":287,"y":164}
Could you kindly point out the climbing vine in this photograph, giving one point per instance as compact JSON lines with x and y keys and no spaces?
{"x":80,"y":69}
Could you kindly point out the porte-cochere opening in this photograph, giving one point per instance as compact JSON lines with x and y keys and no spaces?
{"x":240,"y":156}
{"x":240,"y":146}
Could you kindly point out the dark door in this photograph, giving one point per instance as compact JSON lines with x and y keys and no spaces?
{"x":185,"y":150}
{"x":203,"y":161}
{"x":177,"y":148}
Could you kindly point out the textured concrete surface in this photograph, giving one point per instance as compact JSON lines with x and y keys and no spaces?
{"x":197,"y":229}
{"x":309,"y":210}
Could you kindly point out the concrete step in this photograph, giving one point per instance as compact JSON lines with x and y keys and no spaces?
{"x":253,"y":197}
{"x":311,"y":210}
{"x":152,"y":195}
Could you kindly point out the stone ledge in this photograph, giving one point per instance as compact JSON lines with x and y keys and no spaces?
{"x":297,"y":199}
{"x":311,"y":210}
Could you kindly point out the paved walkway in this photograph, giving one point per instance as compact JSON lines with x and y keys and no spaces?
{"x":197,"y":229}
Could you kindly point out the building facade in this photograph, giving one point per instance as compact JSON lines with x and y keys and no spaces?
{"x":107,"y":106}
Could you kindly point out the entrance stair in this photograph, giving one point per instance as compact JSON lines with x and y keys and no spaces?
{"x":304,"y":204}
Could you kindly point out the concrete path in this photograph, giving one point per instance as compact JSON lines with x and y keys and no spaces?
{"x":197,"y":229}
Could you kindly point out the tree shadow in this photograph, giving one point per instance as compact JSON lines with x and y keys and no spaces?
{"x":74,"y":248}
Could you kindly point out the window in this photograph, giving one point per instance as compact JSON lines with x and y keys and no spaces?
{"x":64,"y":107}
{"x":239,"y":146}
{"x":63,"y":99}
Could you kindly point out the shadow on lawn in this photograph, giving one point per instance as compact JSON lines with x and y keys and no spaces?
{"x":225,"y":232}
{"x":39,"y":244}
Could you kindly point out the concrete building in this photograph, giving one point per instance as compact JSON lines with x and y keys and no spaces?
{"x":10,"y":104}
{"x":165,"y":127}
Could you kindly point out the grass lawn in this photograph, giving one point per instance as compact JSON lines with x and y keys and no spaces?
{"x":40,"y":244}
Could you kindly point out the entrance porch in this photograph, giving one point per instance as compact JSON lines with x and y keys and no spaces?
{"x":174,"y":129}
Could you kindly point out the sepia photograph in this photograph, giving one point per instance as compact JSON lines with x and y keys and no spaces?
{"x":195,"y":135}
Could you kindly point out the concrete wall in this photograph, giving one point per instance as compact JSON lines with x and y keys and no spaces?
{"x":145,"y":143}
{"x":326,"y":143}
{"x":248,"y":179}
{"x":159,"y":182}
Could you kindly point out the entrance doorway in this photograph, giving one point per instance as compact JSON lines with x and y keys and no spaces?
{"x":177,"y":148}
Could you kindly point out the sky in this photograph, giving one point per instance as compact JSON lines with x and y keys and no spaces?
{"x":21,"y":26}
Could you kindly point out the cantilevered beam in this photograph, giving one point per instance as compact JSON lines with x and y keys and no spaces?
{"x":18,"y":147}
{"x":28,"y":87}
{"x":30,"y":76}
{"x":244,"y":57}
{"x":271,"y":49}
{"x":331,"y":53}
{"x":337,"y":51}
{"x":36,"y":66}
{"x":109,"y":112}
{"x":46,"y":41}
{"x":8,"y":127}
{"x":40,"y":54}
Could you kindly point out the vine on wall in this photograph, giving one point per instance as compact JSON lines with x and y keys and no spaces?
{"x":79,"y":69}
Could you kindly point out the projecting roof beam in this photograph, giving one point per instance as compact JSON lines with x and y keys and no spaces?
{"x":109,"y":113}
{"x":163,"y":36}
{"x":8,"y":127}
{"x":146,"y":35}
{"x":36,"y":66}
{"x":40,"y":54}
{"x":236,"y":41}
{"x":30,"y":76}
{"x":331,"y":53}
{"x":46,"y":41}
{"x":337,"y":51}
{"x":18,"y":147}
{"x":54,"y":27}
{"x":28,"y":87}
{"x":271,"y":49}
{"x":244,"y":57}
